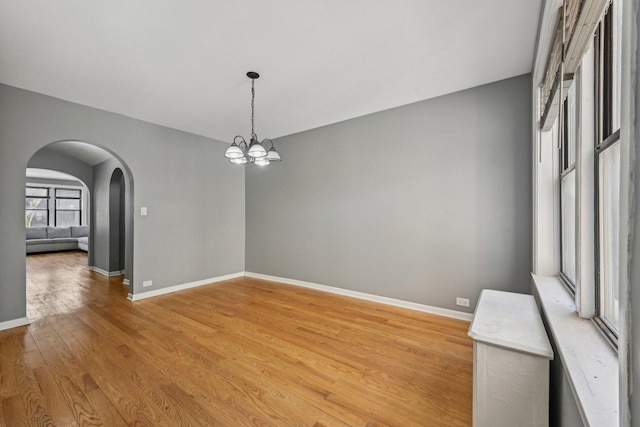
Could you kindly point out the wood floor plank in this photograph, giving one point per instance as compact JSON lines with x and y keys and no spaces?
{"x":362,"y":356}
{"x":56,"y":403}
{"x":37,"y":410}
{"x":132,"y":403}
{"x":220,"y":359}
{"x":242,"y":352}
{"x":15,"y":412}
{"x":171,"y":363}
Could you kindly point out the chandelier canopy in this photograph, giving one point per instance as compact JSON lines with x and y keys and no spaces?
{"x":240,"y":153}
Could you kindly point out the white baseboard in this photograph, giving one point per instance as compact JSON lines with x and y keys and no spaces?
{"x":8,"y":324}
{"x":369,"y":297}
{"x":125,"y":282}
{"x":105,"y":272}
{"x":175,"y":288}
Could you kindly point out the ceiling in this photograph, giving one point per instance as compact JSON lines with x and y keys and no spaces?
{"x":182,"y":64}
{"x":49,"y":174}
{"x":88,"y":153}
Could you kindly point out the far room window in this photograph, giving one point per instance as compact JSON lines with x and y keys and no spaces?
{"x":68,"y":207}
{"x":36,"y":207}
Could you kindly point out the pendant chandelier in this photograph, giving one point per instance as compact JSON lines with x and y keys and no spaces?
{"x":254,"y":152}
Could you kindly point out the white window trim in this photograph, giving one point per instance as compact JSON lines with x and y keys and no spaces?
{"x":585,"y":176}
{"x":546,"y":230}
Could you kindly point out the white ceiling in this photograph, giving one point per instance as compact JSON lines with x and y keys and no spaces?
{"x":182,"y":64}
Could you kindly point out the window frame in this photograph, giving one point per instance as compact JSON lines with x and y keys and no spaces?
{"x":567,"y":164}
{"x":52,"y":197}
{"x":607,"y":134}
{"x":47,"y":198}
{"x":55,"y":206}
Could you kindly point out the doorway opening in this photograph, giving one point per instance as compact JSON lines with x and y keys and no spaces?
{"x":85,"y":221}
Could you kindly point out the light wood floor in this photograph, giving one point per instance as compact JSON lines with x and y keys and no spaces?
{"x":235,"y":353}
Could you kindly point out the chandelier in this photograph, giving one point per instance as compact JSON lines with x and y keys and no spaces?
{"x":253,"y":152}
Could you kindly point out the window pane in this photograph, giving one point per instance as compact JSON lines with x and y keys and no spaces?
{"x":67,"y":218}
{"x":60,"y":192}
{"x":609,"y":223}
{"x":33,"y":203}
{"x":36,"y":218}
{"x":569,"y":129}
{"x":571,"y":122}
{"x":37,"y":192}
{"x":568,"y":201}
{"x":72,"y":204}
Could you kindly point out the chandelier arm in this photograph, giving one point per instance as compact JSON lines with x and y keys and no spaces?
{"x":265,"y":140}
{"x":242,"y":141}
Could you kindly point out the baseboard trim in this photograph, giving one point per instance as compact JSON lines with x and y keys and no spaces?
{"x":9,"y":324}
{"x":104,"y":272}
{"x":182,"y":287}
{"x":125,"y":282}
{"x":454,"y":314}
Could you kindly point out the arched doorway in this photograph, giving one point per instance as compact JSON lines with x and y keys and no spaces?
{"x":109,"y":185}
{"x":117,"y":222}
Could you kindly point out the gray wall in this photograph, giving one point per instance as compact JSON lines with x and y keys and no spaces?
{"x":49,"y":159}
{"x":106,"y":227}
{"x":116,"y":221}
{"x":195,"y":227}
{"x":634,"y":282}
{"x":422,"y":203}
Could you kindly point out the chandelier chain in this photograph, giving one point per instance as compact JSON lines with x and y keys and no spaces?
{"x":253,"y":95}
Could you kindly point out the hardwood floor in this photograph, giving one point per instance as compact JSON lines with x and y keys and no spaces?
{"x":235,"y":353}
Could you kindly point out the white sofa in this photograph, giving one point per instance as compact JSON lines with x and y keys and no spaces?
{"x":49,"y":239}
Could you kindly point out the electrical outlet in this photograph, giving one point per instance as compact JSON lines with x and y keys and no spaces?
{"x":148,"y":283}
{"x":463,"y":302}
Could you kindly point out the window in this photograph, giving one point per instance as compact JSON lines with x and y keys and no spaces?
{"x":608,"y":163}
{"x":68,"y":207}
{"x":568,"y":190}
{"x":36,"y":207}
{"x":54,"y":206}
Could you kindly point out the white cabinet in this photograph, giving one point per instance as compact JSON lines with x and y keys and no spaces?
{"x":511,"y":353}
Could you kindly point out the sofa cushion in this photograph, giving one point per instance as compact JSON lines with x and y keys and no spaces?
{"x":38,"y":241}
{"x":79,"y":230}
{"x":36,"y":233}
{"x":83,"y":243}
{"x":57,"y":232}
{"x":63,"y":240}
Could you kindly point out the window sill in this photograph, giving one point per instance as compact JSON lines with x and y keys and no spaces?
{"x":589,"y":361}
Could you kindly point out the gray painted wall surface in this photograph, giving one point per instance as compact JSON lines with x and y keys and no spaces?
{"x":195,"y":227}
{"x":116,"y":221}
{"x":49,"y":159}
{"x":104,"y":228}
{"x":634,"y":282}
{"x":422,"y":203}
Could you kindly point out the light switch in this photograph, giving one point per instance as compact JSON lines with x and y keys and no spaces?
{"x":143,"y":211}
